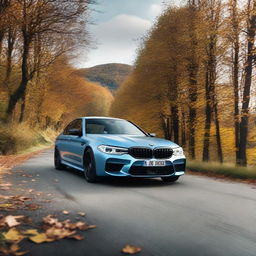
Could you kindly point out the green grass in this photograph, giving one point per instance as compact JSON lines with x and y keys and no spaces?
{"x":227,"y":170}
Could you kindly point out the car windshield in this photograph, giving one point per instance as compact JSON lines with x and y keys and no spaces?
{"x":112,"y":126}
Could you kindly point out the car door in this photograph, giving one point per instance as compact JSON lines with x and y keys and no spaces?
{"x":64,"y":142}
{"x":76,"y":144}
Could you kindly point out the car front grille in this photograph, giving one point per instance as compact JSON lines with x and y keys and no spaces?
{"x":148,"y":153}
{"x":140,"y":152}
{"x":163,"y":153}
{"x":142,"y":170}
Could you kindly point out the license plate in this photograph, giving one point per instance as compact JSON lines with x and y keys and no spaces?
{"x":154,"y":163}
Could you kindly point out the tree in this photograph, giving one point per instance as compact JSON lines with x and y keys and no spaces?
{"x":213,"y":21}
{"x":59,"y":26}
{"x":243,"y":128}
{"x":235,"y":41}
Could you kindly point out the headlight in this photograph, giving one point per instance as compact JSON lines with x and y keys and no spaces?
{"x":112,"y":150}
{"x":178,"y":151}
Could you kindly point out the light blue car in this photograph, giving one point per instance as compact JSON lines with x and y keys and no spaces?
{"x":104,"y":146}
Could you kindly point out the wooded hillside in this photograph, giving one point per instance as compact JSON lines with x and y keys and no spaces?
{"x":110,"y":75}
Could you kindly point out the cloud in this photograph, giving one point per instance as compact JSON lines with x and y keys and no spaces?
{"x":117,"y":39}
{"x":155,"y":10}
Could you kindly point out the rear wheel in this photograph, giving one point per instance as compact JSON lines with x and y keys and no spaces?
{"x":57,"y":160}
{"x":170,"y":179}
{"x":89,"y":166}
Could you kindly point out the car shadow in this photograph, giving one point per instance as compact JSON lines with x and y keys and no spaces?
{"x":126,"y":181}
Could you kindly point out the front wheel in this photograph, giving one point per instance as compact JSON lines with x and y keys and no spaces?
{"x":89,"y":166}
{"x":170,"y":179}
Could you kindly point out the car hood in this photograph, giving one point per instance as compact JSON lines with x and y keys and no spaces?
{"x":131,"y":141}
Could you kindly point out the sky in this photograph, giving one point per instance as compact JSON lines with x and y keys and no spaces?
{"x":117,"y":28}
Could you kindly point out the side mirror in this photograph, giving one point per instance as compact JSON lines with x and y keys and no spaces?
{"x":75,"y":132}
{"x":152,"y":134}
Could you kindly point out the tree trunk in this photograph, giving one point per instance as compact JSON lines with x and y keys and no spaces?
{"x":22,"y":110}
{"x":20,"y":92}
{"x":208,"y":119}
{"x":235,"y":73}
{"x":243,"y":132}
{"x":175,"y":123}
{"x":192,"y":112}
{"x":183,"y":130}
{"x":1,"y":42}
{"x":10,"y":42}
{"x":218,"y":137}
{"x":192,"y":71}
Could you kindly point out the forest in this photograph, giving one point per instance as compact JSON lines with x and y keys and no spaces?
{"x":40,"y":91}
{"x":193,"y":80}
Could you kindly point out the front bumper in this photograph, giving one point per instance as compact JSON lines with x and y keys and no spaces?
{"x":126,"y":165}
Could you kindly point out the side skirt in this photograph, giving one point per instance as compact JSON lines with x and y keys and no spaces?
{"x":72,"y":165}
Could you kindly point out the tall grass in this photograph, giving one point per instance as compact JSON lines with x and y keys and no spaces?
{"x":228,"y":170}
{"x":15,"y":139}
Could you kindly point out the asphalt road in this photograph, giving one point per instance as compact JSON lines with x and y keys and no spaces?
{"x":195,"y":216}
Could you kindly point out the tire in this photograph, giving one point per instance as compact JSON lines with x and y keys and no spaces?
{"x":89,"y":166}
{"x":57,"y":161}
{"x":170,"y":179}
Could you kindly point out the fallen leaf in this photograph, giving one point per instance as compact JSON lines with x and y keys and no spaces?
{"x":77,"y":237}
{"x":130,"y":249}
{"x":92,"y":226}
{"x":5,"y":205}
{"x":49,"y":219}
{"x":30,"y":232}
{"x":82,"y":214}
{"x":58,"y":233}
{"x":32,"y":207}
{"x":81,"y":225}
{"x":30,"y":191}
{"x":13,"y":235}
{"x":33,"y":180}
{"x":65,"y":212}
{"x":11,"y":221}
{"x":40,"y":238}
{"x":13,"y":250}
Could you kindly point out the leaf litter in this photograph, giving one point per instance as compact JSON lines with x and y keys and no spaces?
{"x":51,"y":230}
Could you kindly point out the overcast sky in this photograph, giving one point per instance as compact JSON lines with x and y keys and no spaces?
{"x":117,"y":29}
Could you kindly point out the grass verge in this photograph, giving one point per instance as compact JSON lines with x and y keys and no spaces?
{"x":226,"y":170}
{"x":21,"y":138}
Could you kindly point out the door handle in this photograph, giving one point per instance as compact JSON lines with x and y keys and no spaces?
{"x":82,"y":143}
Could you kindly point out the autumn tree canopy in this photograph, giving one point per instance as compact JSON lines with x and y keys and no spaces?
{"x":193,"y":80}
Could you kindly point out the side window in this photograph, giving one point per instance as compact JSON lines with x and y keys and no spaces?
{"x":76,"y":124}
{"x":67,"y":128}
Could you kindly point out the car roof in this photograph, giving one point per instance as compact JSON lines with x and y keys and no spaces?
{"x":100,"y":117}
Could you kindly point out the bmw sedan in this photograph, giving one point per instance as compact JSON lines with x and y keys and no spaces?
{"x":104,"y":146}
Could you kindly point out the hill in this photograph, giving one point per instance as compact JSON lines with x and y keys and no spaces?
{"x":108,"y":75}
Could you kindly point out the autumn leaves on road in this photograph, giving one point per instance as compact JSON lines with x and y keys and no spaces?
{"x":19,"y":204}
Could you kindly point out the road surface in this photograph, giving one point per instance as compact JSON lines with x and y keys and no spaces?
{"x":195,"y":216}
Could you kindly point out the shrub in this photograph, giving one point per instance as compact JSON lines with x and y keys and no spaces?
{"x":14,"y":139}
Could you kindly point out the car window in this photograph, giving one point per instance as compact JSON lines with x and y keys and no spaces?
{"x":112,"y":126}
{"x":76,"y":124}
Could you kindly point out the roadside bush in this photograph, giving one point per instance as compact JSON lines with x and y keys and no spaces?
{"x":14,"y":139}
